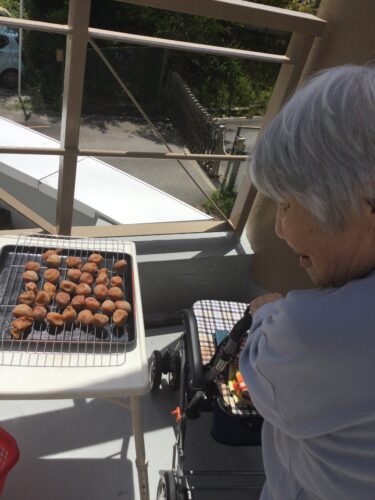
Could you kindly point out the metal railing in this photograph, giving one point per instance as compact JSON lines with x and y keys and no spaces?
{"x":200,"y":131}
{"x":304,"y":29}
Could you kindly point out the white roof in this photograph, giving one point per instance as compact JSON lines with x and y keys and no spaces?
{"x":113,"y":194}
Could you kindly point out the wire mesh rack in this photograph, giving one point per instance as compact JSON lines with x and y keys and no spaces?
{"x":71,"y":344}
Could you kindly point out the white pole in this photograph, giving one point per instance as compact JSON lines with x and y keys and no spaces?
{"x":20,"y":51}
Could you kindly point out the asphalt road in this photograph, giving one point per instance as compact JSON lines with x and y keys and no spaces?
{"x":134,"y":134}
{"x":131,"y":134}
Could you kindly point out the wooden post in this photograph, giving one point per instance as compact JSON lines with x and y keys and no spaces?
{"x":76,"y":47}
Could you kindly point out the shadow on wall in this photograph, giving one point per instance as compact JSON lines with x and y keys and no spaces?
{"x":176,"y":273}
{"x":171,"y":286}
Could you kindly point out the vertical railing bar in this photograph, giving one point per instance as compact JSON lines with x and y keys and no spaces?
{"x":298,"y":49}
{"x":76,"y":49}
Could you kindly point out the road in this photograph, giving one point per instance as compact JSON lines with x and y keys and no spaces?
{"x":128,"y":133}
{"x":134,"y":134}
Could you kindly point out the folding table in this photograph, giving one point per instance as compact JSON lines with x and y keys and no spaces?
{"x":52,"y":365}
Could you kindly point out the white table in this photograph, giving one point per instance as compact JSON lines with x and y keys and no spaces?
{"x":54,"y":375}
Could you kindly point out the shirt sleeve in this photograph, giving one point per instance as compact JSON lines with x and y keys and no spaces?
{"x":257,"y":376}
{"x":297,"y":365}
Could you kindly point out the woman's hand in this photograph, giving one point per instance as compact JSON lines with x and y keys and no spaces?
{"x":263,"y":299}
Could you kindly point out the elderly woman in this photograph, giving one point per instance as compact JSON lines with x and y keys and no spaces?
{"x":309,"y":360}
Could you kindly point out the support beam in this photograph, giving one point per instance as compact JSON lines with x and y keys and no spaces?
{"x":22,"y":209}
{"x":289,"y":75}
{"x":76,"y":48}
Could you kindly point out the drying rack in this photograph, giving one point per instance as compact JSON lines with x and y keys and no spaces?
{"x":60,"y":364}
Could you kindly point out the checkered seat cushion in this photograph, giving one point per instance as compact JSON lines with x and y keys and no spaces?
{"x":212,"y":315}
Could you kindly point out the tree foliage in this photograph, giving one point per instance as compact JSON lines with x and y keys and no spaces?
{"x":12,"y":6}
{"x":220,"y":83}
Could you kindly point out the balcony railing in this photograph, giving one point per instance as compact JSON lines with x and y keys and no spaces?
{"x":303,"y":28}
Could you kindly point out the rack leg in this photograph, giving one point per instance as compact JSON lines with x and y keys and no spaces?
{"x":140,"y":454}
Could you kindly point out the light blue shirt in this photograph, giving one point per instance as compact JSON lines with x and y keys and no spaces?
{"x":309,"y":363}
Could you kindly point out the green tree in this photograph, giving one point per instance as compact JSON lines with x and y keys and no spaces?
{"x":220,"y":83}
{"x":12,"y":6}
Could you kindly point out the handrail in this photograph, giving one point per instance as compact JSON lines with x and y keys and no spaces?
{"x":155,"y":228}
{"x":22,"y":209}
{"x":28,"y":24}
{"x":243,"y":12}
{"x":114,"y":153}
{"x":74,"y":77}
{"x":187,"y":46}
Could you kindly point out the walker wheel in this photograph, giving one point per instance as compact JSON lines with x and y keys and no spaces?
{"x":167,"y":487}
{"x":174,"y":375}
{"x":155,"y":370}
{"x":166,"y":362}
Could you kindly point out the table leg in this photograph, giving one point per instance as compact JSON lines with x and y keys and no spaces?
{"x":140,"y":454}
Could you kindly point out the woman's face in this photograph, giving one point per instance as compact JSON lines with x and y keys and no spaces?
{"x":330,"y":258}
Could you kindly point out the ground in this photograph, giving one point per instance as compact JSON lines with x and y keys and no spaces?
{"x":84,"y":449}
{"x":132,"y":133}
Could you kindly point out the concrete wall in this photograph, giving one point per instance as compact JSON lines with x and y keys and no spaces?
{"x":177,"y":271}
{"x":349,"y":38}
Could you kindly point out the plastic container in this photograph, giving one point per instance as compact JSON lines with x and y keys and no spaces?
{"x":9,"y":455}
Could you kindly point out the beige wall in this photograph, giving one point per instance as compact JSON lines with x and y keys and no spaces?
{"x":348,"y":38}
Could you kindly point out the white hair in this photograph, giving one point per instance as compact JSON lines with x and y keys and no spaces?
{"x":320,"y":148}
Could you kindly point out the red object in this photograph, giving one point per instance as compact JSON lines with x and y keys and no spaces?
{"x":177,"y":413}
{"x":242,"y":387}
{"x":9,"y":455}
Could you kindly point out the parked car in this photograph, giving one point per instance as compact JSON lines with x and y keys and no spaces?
{"x":9,"y":53}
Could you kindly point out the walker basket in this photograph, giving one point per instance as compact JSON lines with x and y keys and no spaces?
{"x":234,"y":422}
